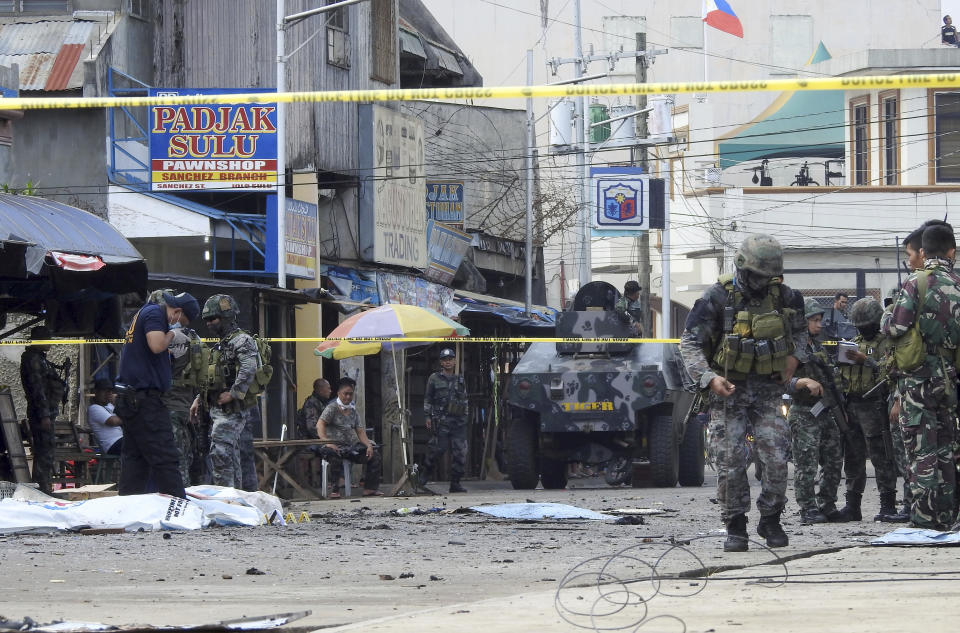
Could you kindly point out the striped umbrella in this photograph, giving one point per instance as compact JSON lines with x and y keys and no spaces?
{"x":393,"y":320}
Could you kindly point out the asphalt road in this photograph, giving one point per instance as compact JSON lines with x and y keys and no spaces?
{"x":358,"y":566}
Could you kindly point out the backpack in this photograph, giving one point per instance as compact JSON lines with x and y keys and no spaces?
{"x":264,"y":368}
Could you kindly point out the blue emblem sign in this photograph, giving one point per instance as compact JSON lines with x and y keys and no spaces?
{"x":620,"y":202}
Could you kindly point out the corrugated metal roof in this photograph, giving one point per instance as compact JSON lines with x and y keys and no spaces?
{"x":47,"y":51}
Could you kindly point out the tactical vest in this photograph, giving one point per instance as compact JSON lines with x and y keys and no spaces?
{"x":194,"y":374}
{"x":756,"y":337}
{"x":221,"y":375}
{"x":450,"y":397}
{"x":859,"y":379}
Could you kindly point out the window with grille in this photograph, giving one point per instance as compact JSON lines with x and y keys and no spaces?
{"x":947,"y":136}
{"x":890,"y":139}
{"x":36,"y":7}
{"x":860,"y":132}
{"x":338,"y":37}
{"x":383,"y":41}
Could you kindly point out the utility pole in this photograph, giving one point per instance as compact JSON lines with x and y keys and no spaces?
{"x":528,"y":280}
{"x":585,"y":272}
{"x":642,"y":243}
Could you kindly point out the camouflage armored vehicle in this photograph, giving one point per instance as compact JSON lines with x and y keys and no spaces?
{"x":615,"y":403}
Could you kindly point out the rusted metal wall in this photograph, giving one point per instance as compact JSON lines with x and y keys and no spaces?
{"x":232,"y":44}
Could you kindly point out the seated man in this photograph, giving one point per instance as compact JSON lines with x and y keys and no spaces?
{"x":103,"y":421}
{"x":341,"y":432}
{"x":313,"y":406}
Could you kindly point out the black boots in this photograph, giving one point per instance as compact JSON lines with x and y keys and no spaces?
{"x":888,"y":509}
{"x":811,"y":516}
{"x":456,"y":487}
{"x":769,"y":528}
{"x":851,"y":511}
{"x":736,"y":534}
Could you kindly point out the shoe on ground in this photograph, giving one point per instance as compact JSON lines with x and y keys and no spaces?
{"x":811,"y":516}
{"x":456,"y":487}
{"x":737,"y":540}
{"x":769,"y":528}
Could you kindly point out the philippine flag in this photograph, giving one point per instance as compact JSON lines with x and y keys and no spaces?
{"x":719,"y":15}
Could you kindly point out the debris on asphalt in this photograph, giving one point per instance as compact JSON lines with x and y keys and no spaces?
{"x":253,"y":571}
{"x":386,"y":577}
{"x":630,"y":519}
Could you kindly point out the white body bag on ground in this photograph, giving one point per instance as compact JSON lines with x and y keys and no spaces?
{"x":30,"y":511}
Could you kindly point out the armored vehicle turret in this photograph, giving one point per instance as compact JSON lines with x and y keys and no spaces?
{"x":608,"y":402}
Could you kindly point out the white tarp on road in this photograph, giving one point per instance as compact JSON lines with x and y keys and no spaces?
{"x":917,"y":536}
{"x":537,"y":511}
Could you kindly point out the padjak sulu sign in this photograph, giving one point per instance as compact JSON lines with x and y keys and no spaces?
{"x":212,"y":147}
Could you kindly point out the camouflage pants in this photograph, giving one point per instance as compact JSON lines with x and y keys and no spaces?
{"x":866,"y":419}
{"x":928,"y":418}
{"x":248,"y":466}
{"x":225,"y":431}
{"x":816,"y":441}
{"x":41,"y":446}
{"x":183,"y":437}
{"x":452,"y":437}
{"x":900,"y":457}
{"x":755,"y":404}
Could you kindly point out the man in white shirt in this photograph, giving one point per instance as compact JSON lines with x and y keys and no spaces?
{"x":103,"y":421}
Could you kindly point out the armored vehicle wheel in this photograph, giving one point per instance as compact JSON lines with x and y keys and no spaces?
{"x":553,"y":474}
{"x":691,"y":454}
{"x":664,"y":458}
{"x":619,"y":471}
{"x":522,"y":452}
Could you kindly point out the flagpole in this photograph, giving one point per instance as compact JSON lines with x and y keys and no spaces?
{"x":706,"y":74}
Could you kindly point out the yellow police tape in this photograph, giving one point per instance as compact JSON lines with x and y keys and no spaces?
{"x":367,"y":339}
{"x":504,"y":92}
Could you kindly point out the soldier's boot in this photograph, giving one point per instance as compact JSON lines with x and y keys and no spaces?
{"x":812,"y":515}
{"x":851,"y":511}
{"x":833,"y":515}
{"x":737,"y":540}
{"x":456,"y":487}
{"x":769,"y":528}
{"x":888,"y":509}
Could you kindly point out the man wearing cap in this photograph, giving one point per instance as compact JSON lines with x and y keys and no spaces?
{"x":188,"y":358}
{"x":445,"y":408}
{"x":104,"y":422}
{"x":628,"y":307}
{"x":149,"y":450}
{"x":45,"y":391}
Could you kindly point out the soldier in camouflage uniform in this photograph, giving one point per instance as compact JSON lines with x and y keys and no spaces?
{"x":628,"y":307}
{"x":45,"y":391}
{"x":233,"y":367}
{"x":742,"y":341}
{"x":814,"y":431}
{"x":445,"y":407}
{"x":929,"y":390}
{"x":868,"y":415}
{"x":188,"y":364}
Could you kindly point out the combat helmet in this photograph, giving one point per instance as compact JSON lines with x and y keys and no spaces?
{"x":866,"y":311}
{"x":761,"y":254}
{"x":812,"y":307}
{"x":222,"y":306}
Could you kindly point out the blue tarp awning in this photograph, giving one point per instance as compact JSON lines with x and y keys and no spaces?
{"x":798,"y":124}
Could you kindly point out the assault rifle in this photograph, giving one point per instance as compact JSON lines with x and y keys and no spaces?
{"x":833,"y":397}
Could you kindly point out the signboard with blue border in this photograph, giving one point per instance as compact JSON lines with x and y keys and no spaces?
{"x":446,"y":248}
{"x":625,"y":201}
{"x":445,"y":202}
{"x":228,"y":147}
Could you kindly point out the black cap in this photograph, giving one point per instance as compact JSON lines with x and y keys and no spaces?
{"x":631,"y":287}
{"x":103,"y":384}
{"x":40,"y":333}
{"x":184,"y":301}
{"x":447,"y":352}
